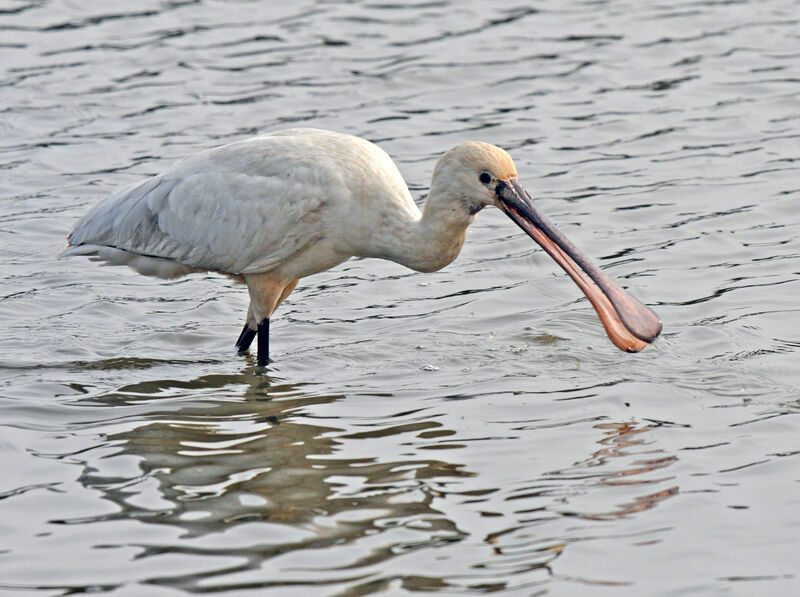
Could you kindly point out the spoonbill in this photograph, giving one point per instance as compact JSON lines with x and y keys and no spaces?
{"x":275,"y":208}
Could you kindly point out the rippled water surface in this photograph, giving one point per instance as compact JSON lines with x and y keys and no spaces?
{"x":463,"y":432}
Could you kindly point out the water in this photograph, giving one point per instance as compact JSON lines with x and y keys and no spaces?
{"x":464,"y":432}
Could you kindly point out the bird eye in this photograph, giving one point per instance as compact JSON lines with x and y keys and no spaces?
{"x":485,"y":177}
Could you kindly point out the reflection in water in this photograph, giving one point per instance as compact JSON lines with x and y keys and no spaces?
{"x":662,"y":137}
{"x":625,"y":445}
{"x":247,"y":477}
{"x":219,"y":467}
{"x":614,"y":473}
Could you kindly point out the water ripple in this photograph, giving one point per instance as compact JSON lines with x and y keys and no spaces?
{"x":467,"y":431}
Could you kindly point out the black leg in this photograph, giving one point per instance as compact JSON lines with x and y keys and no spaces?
{"x":263,"y":342}
{"x":245,"y":338}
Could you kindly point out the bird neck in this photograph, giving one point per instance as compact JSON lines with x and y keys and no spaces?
{"x":435,"y":240}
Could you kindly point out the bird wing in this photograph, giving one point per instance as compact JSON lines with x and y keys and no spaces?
{"x":241,"y":208}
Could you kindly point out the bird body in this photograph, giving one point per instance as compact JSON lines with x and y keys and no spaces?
{"x":275,"y":208}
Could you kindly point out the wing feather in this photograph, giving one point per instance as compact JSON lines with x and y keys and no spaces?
{"x":241,"y":208}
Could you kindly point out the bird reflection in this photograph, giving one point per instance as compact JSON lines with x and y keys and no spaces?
{"x":622,"y":440}
{"x":247,"y":454}
{"x":604,"y":487}
{"x":622,"y":465}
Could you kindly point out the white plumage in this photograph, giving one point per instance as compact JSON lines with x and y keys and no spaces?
{"x":246,"y":207}
{"x":276,"y":208}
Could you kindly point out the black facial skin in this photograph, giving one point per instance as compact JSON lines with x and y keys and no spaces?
{"x":475,"y":208}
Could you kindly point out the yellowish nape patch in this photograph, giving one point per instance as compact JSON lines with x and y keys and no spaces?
{"x":482,"y":157}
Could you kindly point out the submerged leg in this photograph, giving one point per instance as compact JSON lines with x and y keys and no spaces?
{"x":263,"y":342}
{"x":245,"y":338}
{"x":267,"y":290}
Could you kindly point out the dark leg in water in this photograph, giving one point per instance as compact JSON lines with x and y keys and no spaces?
{"x":263,"y":342}
{"x":245,"y":338}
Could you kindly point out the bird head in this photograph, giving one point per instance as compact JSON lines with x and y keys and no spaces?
{"x":478,"y":174}
{"x":475,"y":170}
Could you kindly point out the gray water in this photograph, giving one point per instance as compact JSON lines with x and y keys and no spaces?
{"x":468,"y":431}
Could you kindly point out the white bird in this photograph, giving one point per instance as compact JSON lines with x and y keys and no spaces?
{"x":275,"y":208}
